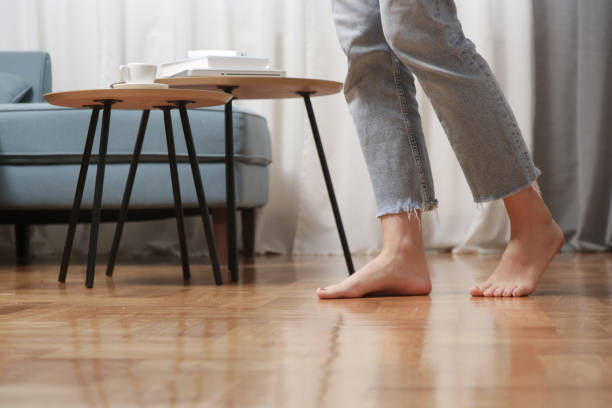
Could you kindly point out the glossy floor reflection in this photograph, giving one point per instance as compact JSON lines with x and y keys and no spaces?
{"x":147,"y":339}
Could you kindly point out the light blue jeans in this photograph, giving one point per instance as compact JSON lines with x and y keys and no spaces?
{"x":387,"y":43}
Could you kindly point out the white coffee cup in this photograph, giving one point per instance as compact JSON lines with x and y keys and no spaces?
{"x":138,"y":73}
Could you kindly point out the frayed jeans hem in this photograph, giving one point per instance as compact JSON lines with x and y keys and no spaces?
{"x":511,"y":191}
{"x":407,"y":207}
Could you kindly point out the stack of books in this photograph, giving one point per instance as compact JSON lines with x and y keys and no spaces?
{"x":218,"y":63}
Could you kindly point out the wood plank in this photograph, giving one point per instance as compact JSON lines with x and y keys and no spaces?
{"x":146,"y":338}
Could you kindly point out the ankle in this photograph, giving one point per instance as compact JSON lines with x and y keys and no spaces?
{"x":527,"y":211}
{"x":402,"y":247}
{"x":401,"y":233}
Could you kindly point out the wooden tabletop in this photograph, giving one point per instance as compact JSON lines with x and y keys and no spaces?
{"x":137,"y":98}
{"x":257,"y":87}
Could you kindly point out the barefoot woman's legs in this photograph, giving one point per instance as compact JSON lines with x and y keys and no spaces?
{"x":427,"y":37}
{"x":380,"y":93}
{"x":388,"y":40}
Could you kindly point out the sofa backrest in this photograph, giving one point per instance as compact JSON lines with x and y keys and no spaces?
{"x":33,"y":66}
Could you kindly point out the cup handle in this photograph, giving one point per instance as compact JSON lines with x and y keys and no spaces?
{"x":124,"y":73}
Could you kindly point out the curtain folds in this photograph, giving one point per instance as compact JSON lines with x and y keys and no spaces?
{"x":573,"y":44}
{"x":89,"y":39}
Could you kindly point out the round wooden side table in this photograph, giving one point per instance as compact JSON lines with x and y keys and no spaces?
{"x":145,"y":100}
{"x":258,"y":87}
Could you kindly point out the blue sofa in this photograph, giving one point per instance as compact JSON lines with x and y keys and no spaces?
{"x":41,"y":148}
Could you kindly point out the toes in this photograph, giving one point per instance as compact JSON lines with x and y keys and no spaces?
{"x":330,"y":292}
{"x":522,"y":291}
{"x":322,"y":293}
{"x":490,"y":290}
{"x":339,"y":290}
{"x":508,"y":291}
{"x":478,"y":290}
{"x":501,"y":290}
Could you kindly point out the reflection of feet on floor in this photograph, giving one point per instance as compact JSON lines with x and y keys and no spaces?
{"x":524,"y":261}
{"x":391,"y":273}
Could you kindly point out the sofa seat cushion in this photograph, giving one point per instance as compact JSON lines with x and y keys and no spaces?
{"x":41,"y":147}
{"x":51,"y":187}
{"x":39,"y":131}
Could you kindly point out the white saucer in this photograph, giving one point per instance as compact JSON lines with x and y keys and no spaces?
{"x":134,"y":85}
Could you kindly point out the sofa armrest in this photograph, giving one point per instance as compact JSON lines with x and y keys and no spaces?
{"x":33,"y":66}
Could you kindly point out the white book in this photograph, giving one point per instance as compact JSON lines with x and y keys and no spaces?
{"x":230,"y":72}
{"x":216,"y":53}
{"x":214,"y":62}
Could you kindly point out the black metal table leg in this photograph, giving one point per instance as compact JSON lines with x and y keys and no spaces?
{"x":128,"y":191}
{"x":328,"y":182}
{"x":78,"y":195}
{"x":176,"y":190}
{"x":199,"y":187}
{"x":230,"y":185}
{"x":97,"y":205}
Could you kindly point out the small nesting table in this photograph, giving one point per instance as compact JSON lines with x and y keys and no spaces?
{"x":258,"y":87}
{"x":145,"y":100}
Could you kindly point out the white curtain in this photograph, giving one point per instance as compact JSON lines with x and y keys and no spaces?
{"x":89,"y":39}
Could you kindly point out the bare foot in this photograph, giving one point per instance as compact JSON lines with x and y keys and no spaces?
{"x":390,"y":274}
{"x":535,"y":240}
{"x":400,"y":268}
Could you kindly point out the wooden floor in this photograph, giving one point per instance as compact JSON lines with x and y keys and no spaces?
{"x":146,"y":339}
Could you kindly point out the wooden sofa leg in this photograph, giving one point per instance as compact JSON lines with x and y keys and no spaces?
{"x":219,"y":218}
{"x":248,"y":231}
{"x":22,"y":243}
